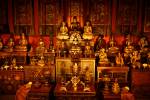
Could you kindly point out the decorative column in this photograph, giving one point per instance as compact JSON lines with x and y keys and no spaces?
{"x":140,"y":17}
{"x":113,"y":20}
{"x":10,"y":17}
{"x":36,"y":17}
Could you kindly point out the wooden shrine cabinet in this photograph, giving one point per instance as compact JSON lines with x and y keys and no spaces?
{"x":10,"y":80}
{"x":140,"y":83}
{"x":20,"y":57}
{"x":41,"y":93}
{"x":121,"y":73}
{"x":66,"y":66}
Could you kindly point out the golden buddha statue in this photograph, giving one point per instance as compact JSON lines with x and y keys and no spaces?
{"x":129,"y":48}
{"x":135,"y":59}
{"x":87,"y":31}
{"x":103,"y":57}
{"x":112,"y":46}
{"x":10,"y":45}
{"x":40,"y":49}
{"x":119,"y":59}
{"x":142,"y":43}
{"x":63,"y":34}
{"x":22,"y":43}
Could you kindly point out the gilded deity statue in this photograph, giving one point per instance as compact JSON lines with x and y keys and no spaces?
{"x":113,"y":49}
{"x":143,"y":42}
{"x":23,"y":41}
{"x":22,"y":46}
{"x":75,"y":25}
{"x":40,"y":49}
{"x":129,"y":48}
{"x":116,"y":87}
{"x":87,"y":31}
{"x":63,"y":32}
{"x":135,"y":59}
{"x":119,"y":59}
{"x":103,"y":56}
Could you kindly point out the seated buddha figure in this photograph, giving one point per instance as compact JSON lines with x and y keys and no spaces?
{"x":1,"y":44}
{"x":75,"y":25}
{"x":87,"y":31}
{"x":103,"y":56}
{"x":142,"y":43}
{"x":128,"y":48}
{"x":63,"y":32}
{"x":119,"y":60}
{"x":10,"y":45}
{"x":22,"y":46}
{"x":135,"y":59}
{"x":112,"y":46}
{"x":40,"y":49}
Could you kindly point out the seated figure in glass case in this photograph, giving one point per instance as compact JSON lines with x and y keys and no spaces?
{"x":87,"y":31}
{"x":75,"y":25}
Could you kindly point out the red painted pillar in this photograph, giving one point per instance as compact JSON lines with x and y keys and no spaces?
{"x":10,"y":17}
{"x":140,"y":14}
{"x":113,"y":20}
{"x":36,"y":17}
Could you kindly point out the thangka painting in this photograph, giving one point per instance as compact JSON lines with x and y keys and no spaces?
{"x":127,"y":15}
{"x":48,"y":12}
{"x":4,"y":28}
{"x":100,"y":12}
{"x":147,"y":16}
{"x":3,"y":12}
{"x":23,"y":12}
{"x":100,"y":16}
